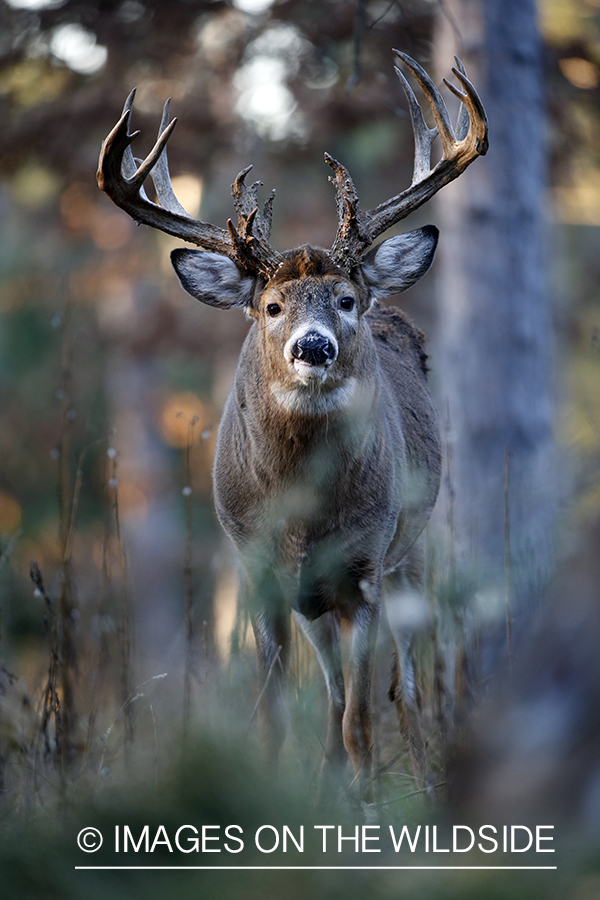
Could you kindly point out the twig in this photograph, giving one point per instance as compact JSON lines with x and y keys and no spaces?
{"x":372,"y":777}
{"x":187,"y":571}
{"x":65,"y":645}
{"x":75,"y":500}
{"x":51,"y":704}
{"x":264,"y":687}
{"x":359,"y":27}
{"x":125,"y":635}
{"x":424,"y":790}
{"x":135,"y":695}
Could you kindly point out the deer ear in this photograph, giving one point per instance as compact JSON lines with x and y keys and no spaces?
{"x":212,"y":279}
{"x":397,"y":263}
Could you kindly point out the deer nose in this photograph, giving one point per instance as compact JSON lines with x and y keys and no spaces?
{"x":314,"y":348}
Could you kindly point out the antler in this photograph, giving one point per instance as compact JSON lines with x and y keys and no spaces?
{"x":120,"y":176}
{"x":357,"y":229}
{"x":247,"y":244}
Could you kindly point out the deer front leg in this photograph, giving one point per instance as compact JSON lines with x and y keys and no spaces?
{"x":407,"y":613}
{"x":271,"y":626}
{"x":324,"y":636}
{"x":404,"y":692}
{"x":357,"y":722}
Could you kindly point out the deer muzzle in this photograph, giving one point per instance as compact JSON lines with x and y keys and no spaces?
{"x":313,"y":349}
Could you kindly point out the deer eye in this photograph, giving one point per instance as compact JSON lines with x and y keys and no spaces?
{"x":273,"y":309}
{"x":347,"y":303}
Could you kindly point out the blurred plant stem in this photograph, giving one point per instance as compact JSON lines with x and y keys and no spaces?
{"x":125,"y":615}
{"x":190,"y":654}
{"x":67,"y":502}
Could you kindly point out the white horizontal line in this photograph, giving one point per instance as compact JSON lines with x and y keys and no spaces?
{"x":314,"y":868}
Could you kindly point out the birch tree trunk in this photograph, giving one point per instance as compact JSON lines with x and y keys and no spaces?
{"x":494,"y":353}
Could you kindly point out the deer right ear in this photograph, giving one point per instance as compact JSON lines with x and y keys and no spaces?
{"x":212,"y":278}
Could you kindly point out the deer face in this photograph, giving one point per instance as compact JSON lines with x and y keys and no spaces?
{"x":309,"y":331}
{"x":309,"y":314}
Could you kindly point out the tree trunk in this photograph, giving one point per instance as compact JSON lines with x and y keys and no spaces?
{"x":494,"y":353}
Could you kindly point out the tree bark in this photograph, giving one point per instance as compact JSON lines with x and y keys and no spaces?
{"x":494,"y":353}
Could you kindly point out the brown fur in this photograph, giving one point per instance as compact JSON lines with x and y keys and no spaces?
{"x":304,"y":262}
{"x":327,"y":466}
{"x":321,"y":499}
{"x":391,"y":326}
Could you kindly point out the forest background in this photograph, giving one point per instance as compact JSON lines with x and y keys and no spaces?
{"x":125,"y":640}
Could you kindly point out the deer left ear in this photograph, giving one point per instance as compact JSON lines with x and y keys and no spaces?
{"x":399,"y":262}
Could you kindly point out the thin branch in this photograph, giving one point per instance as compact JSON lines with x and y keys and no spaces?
{"x":264,"y":687}
{"x":359,"y":29}
{"x":424,"y":790}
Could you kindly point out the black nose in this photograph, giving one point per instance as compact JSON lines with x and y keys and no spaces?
{"x":314,"y":348}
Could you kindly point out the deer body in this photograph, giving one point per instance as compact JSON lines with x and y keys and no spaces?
{"x":363,"y":474}
{"x":327,"y":463}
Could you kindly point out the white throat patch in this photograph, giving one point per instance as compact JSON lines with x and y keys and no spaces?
{"x":314,"y":401}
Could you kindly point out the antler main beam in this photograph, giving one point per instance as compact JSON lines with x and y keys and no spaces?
{"x":120,"y":176}
{"x":247,"y":243}
{"x":357,"y":229}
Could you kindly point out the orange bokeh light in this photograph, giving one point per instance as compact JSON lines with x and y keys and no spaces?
{"x":183,"y":417}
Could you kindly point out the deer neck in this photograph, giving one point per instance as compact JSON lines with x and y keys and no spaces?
{"x":293,"y":421}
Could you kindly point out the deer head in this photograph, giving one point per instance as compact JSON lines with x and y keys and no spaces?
{"x":309,"y":302}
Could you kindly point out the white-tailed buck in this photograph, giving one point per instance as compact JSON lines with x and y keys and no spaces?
{"x":328,"y":459}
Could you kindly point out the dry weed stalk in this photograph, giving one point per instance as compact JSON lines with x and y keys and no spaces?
{"x":51,"y":703}
{"x":129,"y":701}
{"x":124,"y":628}
{"x":190,"y":654}
{"x":66,"y":654}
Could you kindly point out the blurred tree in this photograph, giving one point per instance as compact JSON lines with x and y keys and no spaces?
{"x":495,"y":333}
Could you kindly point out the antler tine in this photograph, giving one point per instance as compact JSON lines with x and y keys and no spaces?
{"x":244,"y":196}
{"x":122,"y":179}
{"x":151,"y":160}
{"x":128,"y":165}
{"x":434,"y":98}
{"x":346,"y":197}
{"x":118,"y":177}
{"x":245,"y":200}
{"x":349,"y":235}
{"x":356,"y":229}
{"x":267,"y":214}
{"x":424,"y":136}
{"x":160,"y":174}
{"x":251,"y":236}
{"x":463,"y":121}
{"x":471,"y":101}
